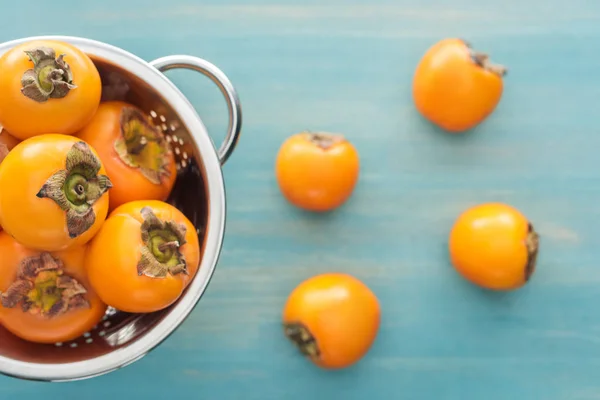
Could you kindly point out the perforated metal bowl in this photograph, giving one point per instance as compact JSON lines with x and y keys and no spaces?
{"x":121,"y":338}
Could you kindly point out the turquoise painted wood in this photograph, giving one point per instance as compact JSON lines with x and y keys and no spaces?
{"x":346,"y":66}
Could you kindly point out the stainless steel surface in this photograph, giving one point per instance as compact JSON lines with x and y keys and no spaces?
{"x":220,"y":79}
{"x":122,"y":338}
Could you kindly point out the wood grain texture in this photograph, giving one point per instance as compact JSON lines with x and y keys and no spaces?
{"x":346,"y":66}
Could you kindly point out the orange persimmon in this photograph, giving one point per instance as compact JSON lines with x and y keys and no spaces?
{"x":317,"y":171}
{"x":7,"y":142}
{"x":333,"y":319}
{"x":494,"y":246}
{"x":47,"y":86}
{"x":46,"y":297}
{"x":135,"y":153}
{"x":144,"y":256}
{"x":56,"y":194}
{"x":456,"y":87}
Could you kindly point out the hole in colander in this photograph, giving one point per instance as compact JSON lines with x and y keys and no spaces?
{"x":110,"y":311}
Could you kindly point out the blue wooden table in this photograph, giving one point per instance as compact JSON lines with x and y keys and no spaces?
{"x":346,"y":66}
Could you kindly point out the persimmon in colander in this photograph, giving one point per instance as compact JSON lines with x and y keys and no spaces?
{"x":56,"y":192}
{"x":143,"y":257}
{"x":47,"y":86}
{"x":46,"y":297}
{"x":137,"y":158}
{"x":7,"y":142}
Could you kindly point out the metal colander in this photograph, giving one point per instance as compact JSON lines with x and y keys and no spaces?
{"x":122,"y":338}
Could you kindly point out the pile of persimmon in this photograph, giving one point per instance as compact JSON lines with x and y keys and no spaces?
{"x":84,"y":219}
{"x":333,"y":318}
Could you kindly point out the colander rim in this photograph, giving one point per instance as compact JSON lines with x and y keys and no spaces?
{"x":215,"y":229}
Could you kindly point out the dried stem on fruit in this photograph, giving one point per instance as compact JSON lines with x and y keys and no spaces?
{"x":532,"y":242}
{"x":50,"y":77}
{"x":77,"y":188}
{"x":483,"y":61}
{"x":161,"y":250}
{"x":324,"y":140}
{"x":42,"y":287}
{"x":299,"y":334}
{"x":141,"y":145}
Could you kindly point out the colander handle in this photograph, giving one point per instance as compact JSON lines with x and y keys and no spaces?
{"x":220,"y":79}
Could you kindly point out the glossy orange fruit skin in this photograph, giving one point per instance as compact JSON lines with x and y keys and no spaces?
{"x":6,"y":139}
{"x":39,"y":329}
{"x":451,"y":90}
{"x":24,"y":117}
{"x":34,"y":222}
{"x":487,"y":246}
{"x":128,"y":183}
{"x":342,"y":314}
{"x":118,"y":245}
{"x":313,"y":178}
